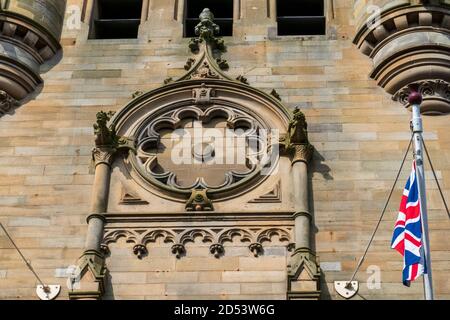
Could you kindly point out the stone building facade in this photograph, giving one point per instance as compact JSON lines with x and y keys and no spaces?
{"x":107,"y":202}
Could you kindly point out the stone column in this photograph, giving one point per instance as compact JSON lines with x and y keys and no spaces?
{"x":92,"y":263}
{"x":302,"y":216}
{"x":303,"y":270}
{"x":103,"y":158}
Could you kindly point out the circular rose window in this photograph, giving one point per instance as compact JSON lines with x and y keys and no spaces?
{"x":215,"y":147}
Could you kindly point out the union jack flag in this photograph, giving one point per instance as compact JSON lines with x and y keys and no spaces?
{"x":407,"y":238}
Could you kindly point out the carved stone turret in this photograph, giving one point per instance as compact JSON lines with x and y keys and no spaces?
{"x":29,"y":38}
{"x":409,"y":41}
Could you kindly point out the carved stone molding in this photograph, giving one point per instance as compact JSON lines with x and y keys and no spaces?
{"x":303,"y":275}
{"x":203,"y":95}
{"x":128,"y":198}
{"x":199,"y":201}
{"x":435,"y":93}
{"x":91,"y":277}
{"x":255,"y":238}
{"x":408,"y":43}
{"x":273,"y":196}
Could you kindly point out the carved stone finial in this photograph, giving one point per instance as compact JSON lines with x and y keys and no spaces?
{"x":222,"y":63}
{"x":137,"y":94}
{"x":7,"y":103}
{"x":168,"y":80}
{"x":298,"y":128}
{"x":107,"y":142}
{"x":105,"y":136}
{"x":275,"y":94}
{"x":242,"y":79}
{"x":189,"y":63}
{"x":199,"y":201}
{"x":206,"y":29}
{"x":296,"y":141}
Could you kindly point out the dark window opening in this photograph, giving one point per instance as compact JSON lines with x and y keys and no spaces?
{"x":223,"y":15}
{"x":301,"y":17}
{"x":116,"y":19}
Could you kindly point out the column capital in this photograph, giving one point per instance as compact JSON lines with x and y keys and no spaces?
{"x":301,"y":153}
{"x":103,"y":155}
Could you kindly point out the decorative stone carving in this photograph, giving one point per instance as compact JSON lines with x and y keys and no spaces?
{"x":203,"y":94}
{"x":7,"y":103}
{"x":256,"y":237}
{"x":104,"y":249}
{"x":205,"y":71}
{"x":222,"y":63}
{"x":128,"y":198}
{"x":107,"y":142}
{"x":140,"y":250}
{"x":207,"y":30}
{"x":242,"y":79}
{"x":190,"y":235}
{"x":296,"y":141}
{"x":273,"y":196}
{"x":409,"y":44}
{"x":217,"y":250}
{"x":103,"y":155}
{"x":189,"y":63}
{"x":275,"y":94}
{"x":256,"y":249}
{"x":199,"y":201}
{"x":302,"y":152}
{"x":154,"y":161}
{"x":168,"y":80}
{"x":178,"y":250}
{"x":91,"y":278}
{"x":268,"y":234}
{"x":435,"y":93}
{"x":105,"y":136}
{"x":303,"y":275}
{"x":153,"y":235}
{"x":137,"y":94}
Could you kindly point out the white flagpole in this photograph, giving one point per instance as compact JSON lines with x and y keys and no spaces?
{"x":415,"y":100}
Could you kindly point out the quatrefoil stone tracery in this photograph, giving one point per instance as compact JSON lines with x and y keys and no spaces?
{"x":209,"y":166}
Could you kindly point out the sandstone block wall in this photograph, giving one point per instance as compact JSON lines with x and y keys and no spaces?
{"x":359,"y":134}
